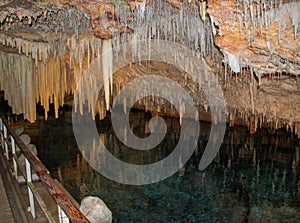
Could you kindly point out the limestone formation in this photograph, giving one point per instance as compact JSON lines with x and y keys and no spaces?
{"x":252,"y":47}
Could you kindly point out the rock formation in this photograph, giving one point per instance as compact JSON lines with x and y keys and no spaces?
{"x":95,"y":210}
{"x":253,"y":48}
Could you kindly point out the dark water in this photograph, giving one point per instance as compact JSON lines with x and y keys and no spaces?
{"x":254,"y":178}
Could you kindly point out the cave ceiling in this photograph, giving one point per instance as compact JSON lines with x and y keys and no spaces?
{"x":253,"y":45}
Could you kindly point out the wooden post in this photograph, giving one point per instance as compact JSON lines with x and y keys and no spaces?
{"x":30,"y":194}
{"x":5,"y":142}
{"x":13,"y":148}
{"x":1,"y":128}
{"x":62,"y":217}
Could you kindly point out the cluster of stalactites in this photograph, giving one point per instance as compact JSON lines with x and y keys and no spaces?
{"x":262,"y":15}
{"x":36,"y":75}
{"x":19,"y":82}
{"x":60,"y":65}
{"x":97,"y":72}
{"x":185,"y":26}
{"x":25,"y":83}
{"x":37,"y":50}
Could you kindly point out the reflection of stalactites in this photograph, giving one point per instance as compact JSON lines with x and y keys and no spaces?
{"x":258,"y":171}
{"x":297,"y":154}
{"x":60,"y":178}
{"x":124,"y":105}
{"x":84,"y":164}
{"x":83,"y":190}
{"x":93,"y":152}
{"x":181,"y":168}
{"x":181,"y":111}
{"x":283,"y":181}
{"x":78,"y":162}
{"x":125,"y":135}
{"x":254,"y":157}
{"x":295,"y":163}
{"x":96,"y":182}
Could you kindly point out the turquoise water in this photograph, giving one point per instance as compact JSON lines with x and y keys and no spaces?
{"x":254,"y":178}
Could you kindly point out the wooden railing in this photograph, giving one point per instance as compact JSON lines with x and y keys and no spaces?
{"x":67,"y":211}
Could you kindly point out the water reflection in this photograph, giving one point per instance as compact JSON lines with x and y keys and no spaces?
{"x":254,"y":178}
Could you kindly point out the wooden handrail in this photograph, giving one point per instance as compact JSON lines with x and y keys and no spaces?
{"x":70,"y":209}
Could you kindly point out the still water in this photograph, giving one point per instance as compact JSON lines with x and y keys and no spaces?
{"x":254,"y":178}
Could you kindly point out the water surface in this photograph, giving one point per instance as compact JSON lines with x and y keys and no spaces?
{"x":254,"y":178}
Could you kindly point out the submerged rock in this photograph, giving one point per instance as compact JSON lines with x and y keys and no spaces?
{"x":25,"y":138}
{"x":95,"y":210}
{"x":32,"y":149}
{"x":19,"y":130}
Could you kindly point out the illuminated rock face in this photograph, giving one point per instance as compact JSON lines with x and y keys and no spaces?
{"x":262,"y":35}
{"x":253,"y":48}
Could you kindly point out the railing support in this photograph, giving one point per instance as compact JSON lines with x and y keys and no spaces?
{"x":67,"y":210}
{"x":5,"y":142}
{"x":1,"y":129}
{"x":13,"y":149}
{"x":30,"y":194}
{"x":63,"y":218}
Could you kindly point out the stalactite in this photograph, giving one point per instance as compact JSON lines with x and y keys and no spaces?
{"x":17,"y":80}
{"x":233,"y":62}
{"x":264,"y":14}
{"x":53,"y":79}
{"x":26,"y":47}
{"x":107,"y":63}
